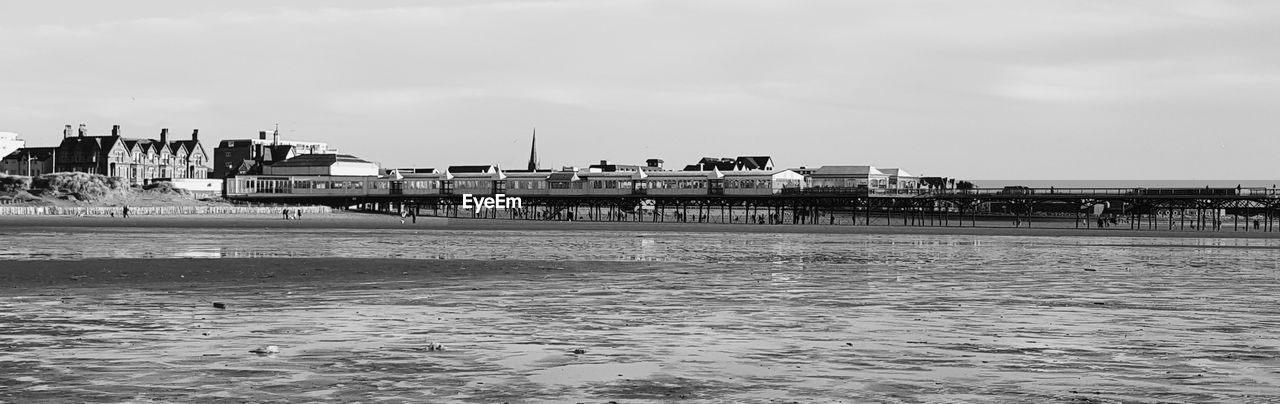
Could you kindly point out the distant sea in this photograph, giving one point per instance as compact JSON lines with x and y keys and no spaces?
{"x":1127,"y":183}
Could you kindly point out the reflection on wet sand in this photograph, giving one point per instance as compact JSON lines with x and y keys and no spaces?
{"x":880,"y":319}
{"x":796,"y":248}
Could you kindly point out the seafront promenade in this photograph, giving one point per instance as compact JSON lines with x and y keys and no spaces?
{"x":155,"y":210}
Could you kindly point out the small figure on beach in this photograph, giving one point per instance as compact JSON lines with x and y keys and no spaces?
{"x":286,"y":213}
{"x":403,"y":214}
{"x":298,"y":215}
{"x":125,"y":212}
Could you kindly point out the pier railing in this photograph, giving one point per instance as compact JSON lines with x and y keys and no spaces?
{"x":1035,"y":192}
{"x":157,"y":210}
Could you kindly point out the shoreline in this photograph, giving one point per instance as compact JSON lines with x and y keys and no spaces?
{"x":373,"y":221}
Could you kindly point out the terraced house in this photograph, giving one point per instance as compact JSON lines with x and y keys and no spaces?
{"x":136,"y":160}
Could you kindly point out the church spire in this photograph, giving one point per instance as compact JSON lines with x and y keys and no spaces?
{"x":533,"y":151}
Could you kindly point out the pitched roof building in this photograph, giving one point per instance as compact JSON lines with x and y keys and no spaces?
{"x":136,"y":160}
{"x":848,"y":177}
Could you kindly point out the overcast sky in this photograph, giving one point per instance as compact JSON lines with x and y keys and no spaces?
{"x":1016,"y":89}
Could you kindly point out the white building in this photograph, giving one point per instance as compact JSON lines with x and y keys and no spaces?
{"x":901,"y":179}
{"x":848,"y":177}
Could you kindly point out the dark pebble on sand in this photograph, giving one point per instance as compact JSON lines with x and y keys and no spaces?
{"x":219,"y":306}
{"x":579,"y":351}
{"x":1090,"y":270}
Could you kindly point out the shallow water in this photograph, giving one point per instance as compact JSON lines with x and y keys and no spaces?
{"x":711,"y":318}
{"x":77,"y":243}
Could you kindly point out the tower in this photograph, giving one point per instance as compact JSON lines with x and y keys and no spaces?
{"x":533,"y":151}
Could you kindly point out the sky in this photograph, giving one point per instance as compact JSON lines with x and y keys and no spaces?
{"x":1015,"y":89}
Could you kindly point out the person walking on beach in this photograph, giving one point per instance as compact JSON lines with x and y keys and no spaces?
{"x":286,"y":213}
{"x":298,"y":216}
{"x":125,"y":212}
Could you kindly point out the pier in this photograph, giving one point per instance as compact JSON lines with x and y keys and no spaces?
{"x":1199,"y":209}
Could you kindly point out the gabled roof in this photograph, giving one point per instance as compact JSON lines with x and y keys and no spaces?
{"x":896,"y":172}
{"x":279,"y":152}
{"x":847,"y":170}
{"x":191,"y":145}
{"x":754,"y":162}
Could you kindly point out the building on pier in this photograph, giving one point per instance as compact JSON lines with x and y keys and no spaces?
{"x":323,"y":164}
{"x":901,"y":179}
{"x":848,"y":177}
{"x":565,"y":183}
{"x":527,"y":182}
{"x":762,"y":182}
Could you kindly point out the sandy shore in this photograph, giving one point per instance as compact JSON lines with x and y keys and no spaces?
{"x":19,"y":275}
{"x":181,"y":330}
{"x":352,"y":220}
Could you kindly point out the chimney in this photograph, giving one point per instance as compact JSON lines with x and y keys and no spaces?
{"x":275,"y":138}
{"x":262,"y":135}
{"x":604,"y":162}
{"x":195,"y":134}
{"x":164,"y":136}
{"x":115,"y":130}
{"x":66,"y":131}
{"x":83,"y":130}
{"x":654,"y":163}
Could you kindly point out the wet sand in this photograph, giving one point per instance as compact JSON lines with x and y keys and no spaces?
{"x":907,"y":328}
{"x":352,"y":220}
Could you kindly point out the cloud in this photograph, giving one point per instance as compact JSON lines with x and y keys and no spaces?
{"x":889,"y":81}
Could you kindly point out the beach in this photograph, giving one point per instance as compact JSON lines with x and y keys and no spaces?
{"x":600,"y":312}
